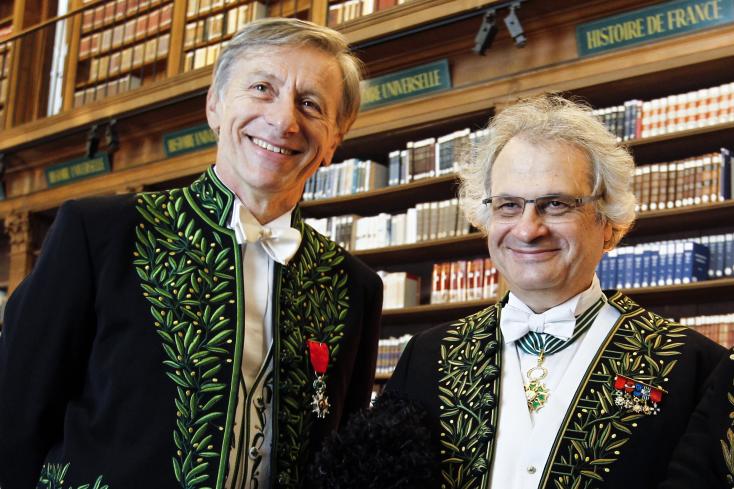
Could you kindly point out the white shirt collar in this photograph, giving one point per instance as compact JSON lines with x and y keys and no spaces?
{"x":578,"y":303}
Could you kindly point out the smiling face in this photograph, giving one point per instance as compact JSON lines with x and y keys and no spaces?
{"x":545,"y":264}
{"x":276,"y":119}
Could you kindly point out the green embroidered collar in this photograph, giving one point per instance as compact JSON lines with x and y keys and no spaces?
{"x":641,"y":345}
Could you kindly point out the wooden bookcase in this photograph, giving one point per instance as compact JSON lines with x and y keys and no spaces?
{"x":480,"y":86}
{"x":122,"y":45}
{"x":345,"y":11}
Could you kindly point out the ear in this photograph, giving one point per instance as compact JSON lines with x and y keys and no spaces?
{"x":608,"y":232}
{"x":213,"y":109}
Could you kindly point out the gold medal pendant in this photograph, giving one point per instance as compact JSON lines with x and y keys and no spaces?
{"x":536,"y":392}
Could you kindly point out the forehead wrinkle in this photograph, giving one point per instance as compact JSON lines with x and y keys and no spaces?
{"x":524,"y":173}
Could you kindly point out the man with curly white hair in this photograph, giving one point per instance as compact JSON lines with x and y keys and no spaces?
{"x":560,"y":384}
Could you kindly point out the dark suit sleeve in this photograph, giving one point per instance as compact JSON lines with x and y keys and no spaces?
{"x":363,"y":375}
{"x":700,"y":459}
{"x":398,"y":382}
{"x":416,"y":376}
{"x":44,"y":349}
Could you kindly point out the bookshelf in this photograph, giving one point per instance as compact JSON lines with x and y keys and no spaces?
{"x":479,"y":86}
{"x":433,"y":312}
{"x":712,"y":296}
{"x":437,"y":249}
{"x":706,"y":291}
{"x":122,"y":45}
{"x":210,"y":23}
{"x":345,"y":11}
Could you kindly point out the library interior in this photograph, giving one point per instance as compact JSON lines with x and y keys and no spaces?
{"x":105,"y":97}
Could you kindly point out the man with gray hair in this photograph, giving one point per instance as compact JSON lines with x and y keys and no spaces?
{"x":202,"y":337}
{"x":559,"y":385}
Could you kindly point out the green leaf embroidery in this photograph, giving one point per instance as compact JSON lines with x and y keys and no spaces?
{"x":182,"y":297}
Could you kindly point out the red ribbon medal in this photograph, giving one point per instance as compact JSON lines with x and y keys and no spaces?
{"x":319,"y":356}
{"x":635,"y":395}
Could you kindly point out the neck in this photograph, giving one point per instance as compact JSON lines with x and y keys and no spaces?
{"x":264,"y":206}
{"x":265,"y":209}
{"x":542,"y":301}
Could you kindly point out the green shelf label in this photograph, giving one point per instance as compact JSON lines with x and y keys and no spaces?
{"x":652,"y":23}
{"x":189,"y":139}
{"x":77,"y":169}
{"x":405,"y":84}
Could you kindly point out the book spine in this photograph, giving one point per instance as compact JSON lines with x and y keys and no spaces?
{"x":678,"y":264}
{"x":637,"y":266}
{"x":728,"y":255}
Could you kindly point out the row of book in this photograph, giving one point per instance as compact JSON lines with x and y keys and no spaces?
{"x":718,"y":327}
{"x":345,"y":178}
{"x":108,"y":89}
{"x":114,"y":11}
{"x":201,"y":57}
{"x":464,"y":280}
{"x":399,"y":289}
{"x":341,"y":12}
{"x":693,"y":181}
{"x":198,"y":8}
{"x":425,"y":221}
{"x":721,"y":250}
{"x":388,"y":354}
{"x":130,"y":58}
{"x":655,"y":264}
{"x":148,"y":24}
{"x":641,"y":119}
{"x":430,"y":157}
{"x":222,"y":25}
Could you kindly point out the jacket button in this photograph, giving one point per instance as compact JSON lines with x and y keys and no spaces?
{"x":253,"y":453}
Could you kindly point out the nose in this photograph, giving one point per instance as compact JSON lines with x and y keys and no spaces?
{"x":282,"y":115}
{"x":530,"y":225}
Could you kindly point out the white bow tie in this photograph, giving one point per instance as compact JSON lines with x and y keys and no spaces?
{"x":516,"y":323}
{"x":280,"y":243}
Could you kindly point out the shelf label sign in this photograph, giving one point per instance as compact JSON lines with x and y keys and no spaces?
{"x":78,"y":169}
{"x":189,"y":139}
{"x":651,"y":23}
{"x":405,"y":84}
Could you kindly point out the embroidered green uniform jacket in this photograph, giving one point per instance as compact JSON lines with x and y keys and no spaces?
{"x":454,"y":371}
{"x":121,"y":353}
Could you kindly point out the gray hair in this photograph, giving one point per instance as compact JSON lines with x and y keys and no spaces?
{"x":294,"y":32}
{"x":551,"y":118}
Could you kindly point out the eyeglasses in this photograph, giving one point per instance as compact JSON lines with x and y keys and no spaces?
{"x":552,"y":208}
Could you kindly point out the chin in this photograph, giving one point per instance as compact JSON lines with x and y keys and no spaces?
{"x":538,"y":282}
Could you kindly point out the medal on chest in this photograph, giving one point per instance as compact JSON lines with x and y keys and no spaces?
{"x":319,"y":356}
{"x":536,"y":392}
{"x":637,"y":397}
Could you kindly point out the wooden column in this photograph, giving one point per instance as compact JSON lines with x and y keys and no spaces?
{"x":73,"y":37}
{"x":31,"y":62}
{"x":18,"y":229}
{"x":319,"y":11}
{"x":175,"y":46}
